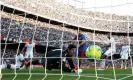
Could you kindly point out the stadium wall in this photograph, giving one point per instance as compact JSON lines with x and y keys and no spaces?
{"x":14,"y":46}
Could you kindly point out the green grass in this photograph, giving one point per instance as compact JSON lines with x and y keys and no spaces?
{"x":87,"y":74}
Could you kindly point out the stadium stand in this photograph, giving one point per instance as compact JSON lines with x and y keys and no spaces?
{"x":77,"y":16}
{"x":41,"y":32}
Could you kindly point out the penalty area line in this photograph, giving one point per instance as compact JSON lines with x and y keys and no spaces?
{"x":58,"y":74}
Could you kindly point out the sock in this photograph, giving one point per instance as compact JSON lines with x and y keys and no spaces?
{"x":125,"y":64}
{"x":79,"y":63}
{"x":102,"y":64}
{"x":122,"y":64}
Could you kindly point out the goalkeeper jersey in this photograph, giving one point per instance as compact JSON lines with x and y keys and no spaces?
{"x":56,"y":56}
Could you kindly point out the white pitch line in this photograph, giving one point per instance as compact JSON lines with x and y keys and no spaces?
{"x":60,"y":74}
{"x":82,"y":75}
{"x":126,"y":77}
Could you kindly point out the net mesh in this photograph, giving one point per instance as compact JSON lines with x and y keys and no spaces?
{"x":17,"y":28}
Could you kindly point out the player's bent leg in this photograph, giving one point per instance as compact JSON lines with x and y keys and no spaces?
{"x":31,"y":58}
{"x":106,"y":63}
{"x":121,"y":63}
{"x":81,"y":56}
{"x":126,"y":60}
{"x":109,"y":52}
{"x":125,"y":63}
{"x":102,"y":62}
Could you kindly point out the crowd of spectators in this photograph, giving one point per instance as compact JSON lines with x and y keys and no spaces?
{"x":25,"y":28}
{"x":40,"y":32}
{"x":75,"y":16}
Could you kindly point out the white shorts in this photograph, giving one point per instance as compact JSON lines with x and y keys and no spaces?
{"x":109,"y":52}
{"x":124,"y":56}
{"x":29,"y":55}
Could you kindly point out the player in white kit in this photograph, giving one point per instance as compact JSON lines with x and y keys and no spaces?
{"x":29,"y":49}
{"x":124,"y":55}
{"x":111,"y":44}
{"x":19,"y":62}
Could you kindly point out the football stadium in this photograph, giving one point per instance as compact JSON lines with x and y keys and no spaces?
{"x":66,"y":40}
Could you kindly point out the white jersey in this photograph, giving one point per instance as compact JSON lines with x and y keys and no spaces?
{"x":125,"y":49}
{"x":19,"y":58}
{"x":113,"y":44}
{"x":29,"y":47}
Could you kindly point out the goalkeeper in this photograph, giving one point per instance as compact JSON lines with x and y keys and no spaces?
{"x":55,"y":57}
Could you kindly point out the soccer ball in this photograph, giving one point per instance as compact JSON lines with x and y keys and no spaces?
{"x":79,"y":71}
{"x":94,"y":51}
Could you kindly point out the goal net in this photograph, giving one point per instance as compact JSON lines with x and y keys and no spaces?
{"x":53,"y":25}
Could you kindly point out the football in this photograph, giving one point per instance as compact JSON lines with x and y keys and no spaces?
{"x":79,"y":71}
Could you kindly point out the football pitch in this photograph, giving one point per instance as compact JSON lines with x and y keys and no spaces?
{"x":87,"y":74}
